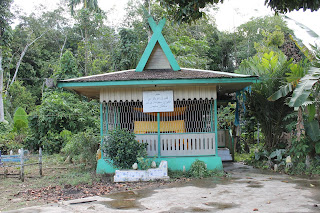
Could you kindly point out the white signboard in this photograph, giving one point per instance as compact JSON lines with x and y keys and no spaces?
{"x":158,"y":101}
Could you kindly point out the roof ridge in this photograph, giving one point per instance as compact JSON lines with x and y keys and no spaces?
{"x":157,"y":37}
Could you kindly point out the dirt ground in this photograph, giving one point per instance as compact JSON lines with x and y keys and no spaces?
{"x":244,"y":189}
{"x":60,"y":182}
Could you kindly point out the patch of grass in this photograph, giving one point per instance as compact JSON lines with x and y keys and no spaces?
{"x":55,"y":172}
{"x":241,"y":157}
{"x":73,"y":177}
{"x":197,"y":170}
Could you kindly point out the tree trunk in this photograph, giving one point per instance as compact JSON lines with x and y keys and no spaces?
{"x":86,"y":50}
{"x":299,"y":126}
{"x":22,"y":55}
{"x":1,"y":89}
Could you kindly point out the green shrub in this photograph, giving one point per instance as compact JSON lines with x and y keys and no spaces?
{"x":60,"y":111}
{"x":4,"y":127}
{"x":122,"y":149}
{"x":198,"y":169}
{"x":10,"y":141}
{"x":82,"y":146}
{"x":20,"y":120}
{"x":145,"y":163}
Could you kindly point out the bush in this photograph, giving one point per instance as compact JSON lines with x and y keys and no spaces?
{"x":10,"y":141}
{"x":198,"y":169}
{"x":60,"y":111}
{"x":82,"y":146}
{"x":4,"y":127}
{"x":122,"y":148}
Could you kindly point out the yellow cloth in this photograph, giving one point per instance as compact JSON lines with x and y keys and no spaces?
{"x":143,"y":127}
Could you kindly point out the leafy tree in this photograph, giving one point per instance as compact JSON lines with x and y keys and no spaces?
{"x":42,"y":57}
{"x":60,"y":111}
{"x":127,"y":55}
{"x":188,"y":11}
{"x":221,"y":51}
{"x":190,"y":52}
{"x":20,"y":96}
{"x":89,"y":7}
{"x":285,"y":6}
{"x":68,"y":66}
{"x":255,"y":31}
{"x":5,"y":16}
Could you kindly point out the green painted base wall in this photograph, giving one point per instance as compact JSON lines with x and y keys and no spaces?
{"x":174,"y":163}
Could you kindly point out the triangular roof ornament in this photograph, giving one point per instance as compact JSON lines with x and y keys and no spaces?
{"x":157,"y":40}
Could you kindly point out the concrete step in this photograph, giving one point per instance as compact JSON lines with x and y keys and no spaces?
{"x":224,"y":154}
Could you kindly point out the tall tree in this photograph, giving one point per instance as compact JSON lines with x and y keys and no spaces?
{"x":88,"y":7}
{"x":188,"y":11}
{"x":5,"y":16}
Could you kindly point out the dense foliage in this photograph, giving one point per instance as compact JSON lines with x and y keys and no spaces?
{"x":81,"y":147}
{"x":122,"y":149}
{"x":188,"y":11}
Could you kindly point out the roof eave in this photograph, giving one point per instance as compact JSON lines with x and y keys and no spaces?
{"x":251,"y":79}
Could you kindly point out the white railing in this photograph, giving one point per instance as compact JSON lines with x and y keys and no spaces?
{"x":152,"y":141}
{"x":180,"y":144}
{"x":224,"y":139}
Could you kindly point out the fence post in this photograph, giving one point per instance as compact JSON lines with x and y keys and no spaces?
{"x":40,"y":162}
{"x":21,"y":165}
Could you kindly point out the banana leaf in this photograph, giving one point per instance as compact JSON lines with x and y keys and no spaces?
{"x":303,"y":90}
{"x":282,"y":92}
{"x":312,"y":130}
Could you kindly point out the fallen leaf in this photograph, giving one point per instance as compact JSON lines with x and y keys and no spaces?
{"x":312,"y":185}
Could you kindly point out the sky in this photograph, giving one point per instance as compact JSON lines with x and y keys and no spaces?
{"x":231,"y":14}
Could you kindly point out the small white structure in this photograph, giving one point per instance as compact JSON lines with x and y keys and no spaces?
{"x":143,"y":175}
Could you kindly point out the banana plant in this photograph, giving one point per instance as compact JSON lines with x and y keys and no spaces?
{"x":304,"y":88}
{"x":297,"y":72}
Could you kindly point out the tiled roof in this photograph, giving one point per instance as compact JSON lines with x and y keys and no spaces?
{"x":184,"y":73}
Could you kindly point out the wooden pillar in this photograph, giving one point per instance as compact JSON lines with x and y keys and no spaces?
{"x":22,"y":165}
{"x":40,"y":162}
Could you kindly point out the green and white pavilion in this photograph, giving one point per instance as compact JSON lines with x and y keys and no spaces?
{"x":172,"y":109}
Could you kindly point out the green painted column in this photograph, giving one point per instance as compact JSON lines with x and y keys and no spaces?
{"x":101,"y":120}
{"x":106,"y":111}
{"x":159,"y":142}
{"x":101,"y":127}
{"x":216,"y":124}
{"x":211,"y":118}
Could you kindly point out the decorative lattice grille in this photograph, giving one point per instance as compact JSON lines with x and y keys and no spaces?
{"x":189,"y":116}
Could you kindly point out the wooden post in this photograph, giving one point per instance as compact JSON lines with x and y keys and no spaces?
{"x":40,"y":162}
{"x":21,"y":165}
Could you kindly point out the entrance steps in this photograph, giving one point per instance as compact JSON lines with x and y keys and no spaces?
{"x":224,"y":154}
